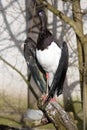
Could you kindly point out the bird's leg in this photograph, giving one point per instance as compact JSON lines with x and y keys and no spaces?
{"x":47,"y":78}
{"x":47,"y":89}
{"x":44,"y":96}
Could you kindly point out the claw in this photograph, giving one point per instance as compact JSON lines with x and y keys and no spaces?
{"x":44,"y":97}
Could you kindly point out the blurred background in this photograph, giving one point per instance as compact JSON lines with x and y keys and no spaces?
{"x":17,"y":21}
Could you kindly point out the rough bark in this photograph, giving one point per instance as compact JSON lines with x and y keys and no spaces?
{"x":58,"y":116}
{"x":52,"y":113}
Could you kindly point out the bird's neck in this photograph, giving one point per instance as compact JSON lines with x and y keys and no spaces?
{"x":44,"y":40}
{"x":43,"y":23}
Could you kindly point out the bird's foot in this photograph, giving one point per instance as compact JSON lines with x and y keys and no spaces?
{"x":44,"y":97}
{"x":53,"y":99}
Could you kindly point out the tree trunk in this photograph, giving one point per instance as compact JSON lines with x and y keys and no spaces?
{"x":82,"y":55}
{"x":85,"y":87}
{"x":80,"y":61}
{"x":77,"y":17}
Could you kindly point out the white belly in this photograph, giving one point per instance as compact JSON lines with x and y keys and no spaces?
{"x":49,"y":58}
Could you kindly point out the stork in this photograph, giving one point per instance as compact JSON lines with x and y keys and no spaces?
{"x":52,"y":58}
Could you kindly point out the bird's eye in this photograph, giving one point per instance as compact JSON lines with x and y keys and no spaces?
{"x":40,"y":13}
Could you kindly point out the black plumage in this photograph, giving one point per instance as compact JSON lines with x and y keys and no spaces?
{"x":29,"y":54}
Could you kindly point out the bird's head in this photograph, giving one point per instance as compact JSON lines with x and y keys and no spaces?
{"x":41,"y":13}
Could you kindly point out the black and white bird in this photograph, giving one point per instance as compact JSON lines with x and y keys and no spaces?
{"x":52,"y":58}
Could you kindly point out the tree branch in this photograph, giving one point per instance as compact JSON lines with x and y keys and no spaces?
{"x":57,"y":115}
{"x":26,"y":81}
{"x":62,"y":16}
{"x":52,"y":113}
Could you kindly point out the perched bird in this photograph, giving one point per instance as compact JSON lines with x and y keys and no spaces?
{"x":52,"y":58}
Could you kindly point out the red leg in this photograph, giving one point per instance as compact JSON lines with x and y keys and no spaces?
{"x":45,"y":95}
{"x":52,"y":99}
{"x":47,"y":76}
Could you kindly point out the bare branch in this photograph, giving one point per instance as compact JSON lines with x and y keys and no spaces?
{"x":62,"y":16}
{"x":26,"y":81}
{"x":57,"y":115}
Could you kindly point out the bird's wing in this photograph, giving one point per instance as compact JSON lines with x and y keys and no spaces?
{"x":59,"y":77}
{"x":29,"y":49}
{"x":29,"y":54}
{"x":63,"y":67}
